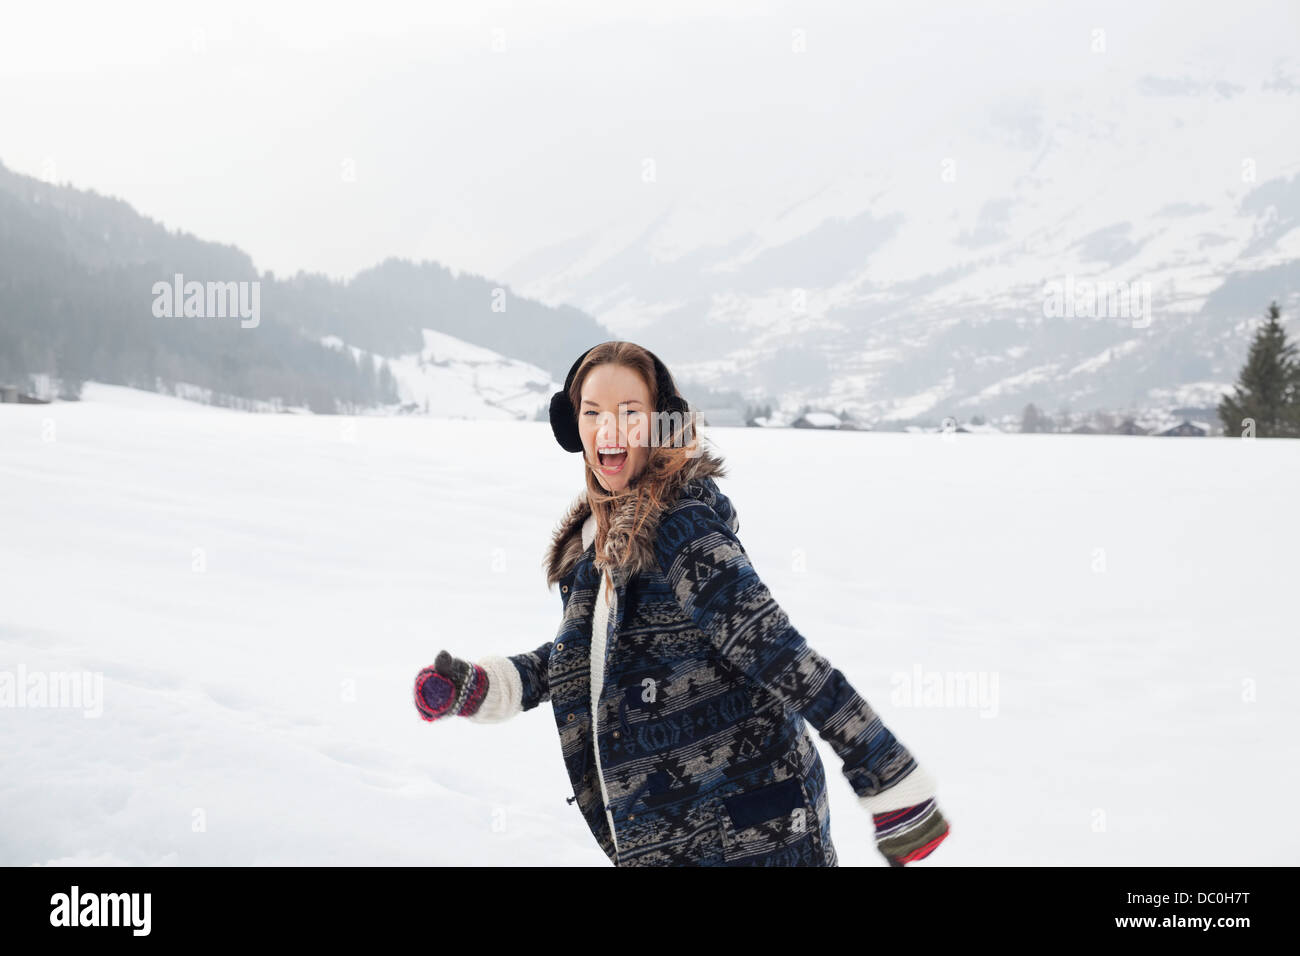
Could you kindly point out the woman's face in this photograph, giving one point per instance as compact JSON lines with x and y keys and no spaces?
{"x":615,"y":414}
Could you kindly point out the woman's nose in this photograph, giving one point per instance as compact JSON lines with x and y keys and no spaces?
{"x":607,"y":433}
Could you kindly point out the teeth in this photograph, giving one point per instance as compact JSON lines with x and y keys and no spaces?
{"x":613,"y":451}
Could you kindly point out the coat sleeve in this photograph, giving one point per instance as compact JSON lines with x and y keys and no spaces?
{"x":515,"y":684}
{"x":712,"y":578}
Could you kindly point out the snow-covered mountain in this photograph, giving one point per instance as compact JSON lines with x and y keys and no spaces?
{"x":450,"y":378}
{"x":923,"y":285}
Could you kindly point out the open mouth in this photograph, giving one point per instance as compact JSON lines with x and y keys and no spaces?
{"x":612,"y":459}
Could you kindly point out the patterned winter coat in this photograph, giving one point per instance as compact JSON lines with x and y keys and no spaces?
{"x":701,"y":719}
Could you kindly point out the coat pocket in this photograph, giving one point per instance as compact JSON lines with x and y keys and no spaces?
{"x":764,"y":825}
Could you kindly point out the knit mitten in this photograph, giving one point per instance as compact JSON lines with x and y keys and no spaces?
{"x":910,"y":834}
{"x":450,"y":687}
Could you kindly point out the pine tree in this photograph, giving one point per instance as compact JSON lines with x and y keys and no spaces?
{"x":1268,"y":388}
{"x":1033,"y":420}
{"x":387,"y":385}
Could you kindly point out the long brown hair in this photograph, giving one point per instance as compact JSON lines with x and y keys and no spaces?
{"x":667,"y":456}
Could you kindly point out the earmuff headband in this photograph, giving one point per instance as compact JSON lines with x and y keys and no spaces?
{"x":564,"y":417}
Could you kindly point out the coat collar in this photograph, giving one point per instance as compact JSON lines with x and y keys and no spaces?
{"x":629,"y":549}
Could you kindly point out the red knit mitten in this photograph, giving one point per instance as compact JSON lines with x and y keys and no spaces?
{"x":451,"y":687}
{"x":911,"y":833}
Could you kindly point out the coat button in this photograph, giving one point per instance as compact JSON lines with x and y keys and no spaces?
{"x":559,"y":646}
{"x":631,"y":816}
{"x":571,"y":717}
{"x":616,"y":733}
{"x":564,"y":588}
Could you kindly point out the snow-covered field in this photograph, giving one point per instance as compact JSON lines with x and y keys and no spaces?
{"x":257,"y":593}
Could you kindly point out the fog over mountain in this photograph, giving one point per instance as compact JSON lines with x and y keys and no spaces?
{"x":905,"y":213}
{"x":80,"y":275}
{"x":923,"y":285}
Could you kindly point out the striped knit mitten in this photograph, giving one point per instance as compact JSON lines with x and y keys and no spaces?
{"x":451,"y":687}
{"x":910,"y":834}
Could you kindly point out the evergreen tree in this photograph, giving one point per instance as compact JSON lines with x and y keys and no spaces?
{"x":1032,"y":420}
{"x":387,"y":385}
{"x":1268,"y":388}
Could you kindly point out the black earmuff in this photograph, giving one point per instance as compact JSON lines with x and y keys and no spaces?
{"x":564,"y":417}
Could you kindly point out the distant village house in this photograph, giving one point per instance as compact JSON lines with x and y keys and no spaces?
{"x":1188,"y":428}
{"x":817,"y":420}
{"x":11,"y":395}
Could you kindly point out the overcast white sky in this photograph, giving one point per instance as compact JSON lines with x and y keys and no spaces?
{"x":240,"y":121}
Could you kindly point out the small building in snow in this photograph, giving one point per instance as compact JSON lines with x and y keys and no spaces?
{"x":817,"y":420}
{"x":1187,"y":428}
{"x":12,"y":395}
{"x":1129,"y":427}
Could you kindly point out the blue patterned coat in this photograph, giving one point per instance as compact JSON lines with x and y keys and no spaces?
{"x":708,"y":687}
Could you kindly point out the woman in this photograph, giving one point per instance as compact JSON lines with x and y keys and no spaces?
{"x":675,"y":659}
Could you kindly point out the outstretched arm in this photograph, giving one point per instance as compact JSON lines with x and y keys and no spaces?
{"x":515,"y":684}
{"x":715,"y":583}
{"x":486,"y":691}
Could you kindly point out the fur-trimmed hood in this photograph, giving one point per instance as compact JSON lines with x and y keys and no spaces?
{"x":628,"y":550}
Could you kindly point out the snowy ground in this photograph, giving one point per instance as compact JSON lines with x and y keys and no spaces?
{"x":258,"y":592}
